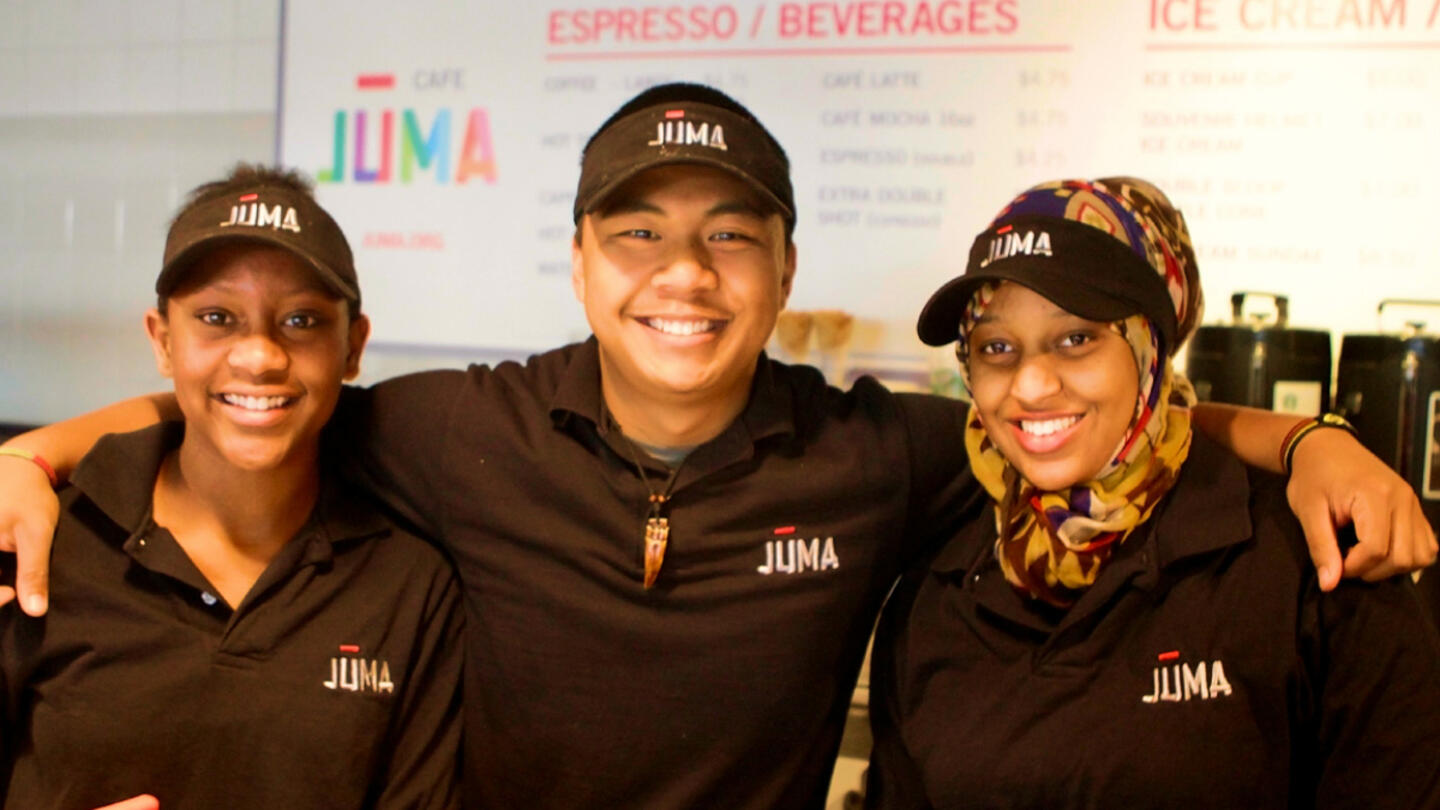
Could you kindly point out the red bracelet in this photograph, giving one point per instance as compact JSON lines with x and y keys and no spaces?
{"x":36,"y":460}
{"x":1290,"y":437}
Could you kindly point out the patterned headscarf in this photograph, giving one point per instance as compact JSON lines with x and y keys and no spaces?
{"x":1052,"y":545}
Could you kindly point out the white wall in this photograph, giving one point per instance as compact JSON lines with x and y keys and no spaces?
{"x":109,"y":113}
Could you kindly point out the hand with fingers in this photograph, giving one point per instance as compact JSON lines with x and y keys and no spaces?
{"x":1336,"y":482}
{"x":29,"y":510}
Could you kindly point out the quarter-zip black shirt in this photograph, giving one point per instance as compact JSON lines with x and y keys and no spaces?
{"x":334,"y":684}
{"x":1204,"y":669}
{"x":724,"y":686}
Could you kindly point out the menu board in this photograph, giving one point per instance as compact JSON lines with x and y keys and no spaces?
{"x":1299,"y":137}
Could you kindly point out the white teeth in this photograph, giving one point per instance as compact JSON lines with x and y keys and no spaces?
{"x":681,"y":327}
{"x":1045,"y":427}
{"x":254,"y":403}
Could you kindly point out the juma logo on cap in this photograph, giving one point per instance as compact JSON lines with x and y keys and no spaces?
{"x":678,"y":130}
{"x":279,"y":216}
{"x":250,"y":212}
{"x":1008,"y":242}
{"x":681,"y":132}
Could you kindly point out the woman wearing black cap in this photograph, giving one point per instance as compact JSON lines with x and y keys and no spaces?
{"x":227,"y":628}
{"x":1135,"y":622}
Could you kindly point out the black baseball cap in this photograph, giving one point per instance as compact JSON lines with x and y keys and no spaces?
{"x":681,"y":128}
{"x":1079,"y":267}
{"x":265,"y":214}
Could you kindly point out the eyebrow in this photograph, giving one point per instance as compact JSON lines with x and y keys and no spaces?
{"x":744,"y":207}
{"x":629,"y":205}
{"x":636,"y":205}
{"x":300,"y":287}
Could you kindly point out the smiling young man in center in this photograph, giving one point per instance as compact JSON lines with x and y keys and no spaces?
{"x":616,"y":509}
{"x":682,"y":271}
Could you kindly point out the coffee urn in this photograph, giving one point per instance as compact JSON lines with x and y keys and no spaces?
{"x":1388,"y":386}
{"x":1263,"y":364}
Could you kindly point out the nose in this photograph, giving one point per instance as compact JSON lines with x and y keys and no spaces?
{"x":688,"y":269}
{"x":1035,"y":379}
{"x":258,"y":354}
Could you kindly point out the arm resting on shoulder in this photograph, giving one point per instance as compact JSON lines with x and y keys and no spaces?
{"x":1335,"y":482}
{"x":28,"y":506}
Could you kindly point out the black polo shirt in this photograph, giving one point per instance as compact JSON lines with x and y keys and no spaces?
{"x":726,"y":685}
{"x":333,"y":685}
{"x":1204,"y":669}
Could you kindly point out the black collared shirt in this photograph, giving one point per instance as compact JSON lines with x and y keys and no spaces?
{"x":1204,"y":669}
{"x":724,"y":686}
{"x":333,"y":685}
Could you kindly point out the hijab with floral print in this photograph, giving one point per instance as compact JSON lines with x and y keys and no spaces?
{"x":1052,"y":545}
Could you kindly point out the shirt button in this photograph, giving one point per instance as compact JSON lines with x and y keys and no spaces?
{"x":208,"y":598}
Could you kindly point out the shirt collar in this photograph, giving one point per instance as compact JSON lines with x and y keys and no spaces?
{"x":578,"y":392}
{"x":118,"y":476}
{"x":1209,"y":507}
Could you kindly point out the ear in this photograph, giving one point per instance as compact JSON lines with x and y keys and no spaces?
{"x":157,"y":328}
{"x":359,"y":334}
{"x":577,"y":263}
{"x":787,"y":279}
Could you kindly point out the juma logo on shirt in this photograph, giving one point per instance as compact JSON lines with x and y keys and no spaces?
{"x":1178,"y":682}
{"x":796,"y":556}
{"x":352,"y":673}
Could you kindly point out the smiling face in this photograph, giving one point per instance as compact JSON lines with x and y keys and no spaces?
{"x":682,"y":274}
{"x":257,"y":348}
{"x":1056,"y":392}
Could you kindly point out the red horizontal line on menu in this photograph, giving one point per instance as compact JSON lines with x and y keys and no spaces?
{"x":1292,"y":46}
{"x":581,"y":56}
{"x":375,"y":81}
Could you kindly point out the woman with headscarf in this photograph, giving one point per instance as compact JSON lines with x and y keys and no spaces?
{"x":1134,"y":622}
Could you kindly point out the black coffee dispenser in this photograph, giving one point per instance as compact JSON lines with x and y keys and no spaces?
{"x":1264,"y":363}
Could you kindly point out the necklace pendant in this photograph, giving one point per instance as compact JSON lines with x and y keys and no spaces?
{"x":657,"y":534}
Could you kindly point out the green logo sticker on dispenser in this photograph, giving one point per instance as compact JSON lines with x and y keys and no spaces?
{"x":1298,"y":397}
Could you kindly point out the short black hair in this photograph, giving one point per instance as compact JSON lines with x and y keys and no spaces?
{"x":243,"y":176}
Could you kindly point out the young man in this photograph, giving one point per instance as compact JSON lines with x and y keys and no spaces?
{"x":674,"y":548}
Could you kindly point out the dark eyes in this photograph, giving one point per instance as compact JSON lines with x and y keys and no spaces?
{"x":301,"y":320}
{"x":295,"y":320}
{"x":718,"y":236}
{"x":1071,"y":340}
